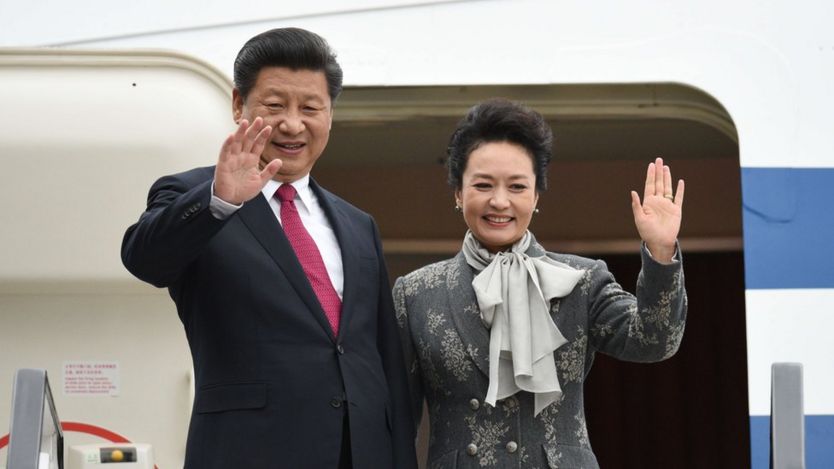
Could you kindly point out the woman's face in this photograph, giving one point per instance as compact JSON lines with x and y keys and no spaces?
{"x":498,"y":194}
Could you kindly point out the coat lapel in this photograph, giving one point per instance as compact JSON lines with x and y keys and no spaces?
{"x":345,"y":231}
{"x":259,"y":218}
{"x":463,"y":307}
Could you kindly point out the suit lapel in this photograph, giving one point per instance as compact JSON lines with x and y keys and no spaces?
{"x":463,"y":307}
{"x":345,"y":230}
{"x":260,"y":220}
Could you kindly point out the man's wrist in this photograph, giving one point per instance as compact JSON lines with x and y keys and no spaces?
{"x":220,"y":208}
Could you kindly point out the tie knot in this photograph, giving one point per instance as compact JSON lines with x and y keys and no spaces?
{"x":285,"y":193}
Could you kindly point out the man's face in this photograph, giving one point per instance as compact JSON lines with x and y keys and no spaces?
{"x":297,"y":106}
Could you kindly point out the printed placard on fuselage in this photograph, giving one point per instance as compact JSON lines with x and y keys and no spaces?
{"x":91,"y":378}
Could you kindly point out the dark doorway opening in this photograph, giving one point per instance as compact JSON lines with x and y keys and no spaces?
{"x":689,"y":411}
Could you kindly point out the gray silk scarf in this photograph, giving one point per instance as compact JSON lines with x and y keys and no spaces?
{"x":514,"y":292}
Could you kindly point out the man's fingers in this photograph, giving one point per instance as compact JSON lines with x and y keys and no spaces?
{"x":241,"y":129}
{"x":238,"y":136}
{"x":260,"y":140}
{"x":252,"y":134}
{"x":225,"y":149}
{"x":270,"y":170}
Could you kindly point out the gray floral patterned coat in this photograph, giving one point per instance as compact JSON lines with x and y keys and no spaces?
{"x":447,"y":348}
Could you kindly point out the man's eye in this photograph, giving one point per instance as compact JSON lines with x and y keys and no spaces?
{"x":274,"y":105}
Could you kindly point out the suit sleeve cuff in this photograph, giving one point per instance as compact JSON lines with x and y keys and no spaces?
{"x":219,"y":208}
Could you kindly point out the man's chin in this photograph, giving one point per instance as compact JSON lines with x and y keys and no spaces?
{"x":286,"y":177}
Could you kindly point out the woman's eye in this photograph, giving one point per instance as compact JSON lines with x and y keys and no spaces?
{"x":518,"y":187}
{"x":481,"y":185}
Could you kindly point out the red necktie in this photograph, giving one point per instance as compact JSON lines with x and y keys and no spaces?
{"x":309,"y":257}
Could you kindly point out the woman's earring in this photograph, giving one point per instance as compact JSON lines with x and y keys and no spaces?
{"x":535,"y":210}
{"x":457,"y":208}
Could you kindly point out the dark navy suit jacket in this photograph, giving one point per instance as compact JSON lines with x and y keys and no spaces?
{"x":273,"y":384}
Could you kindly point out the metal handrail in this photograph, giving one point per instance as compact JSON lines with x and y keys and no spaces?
{"x":787,"y":418}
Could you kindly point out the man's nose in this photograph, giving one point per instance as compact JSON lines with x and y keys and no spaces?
{"x":291,"y":123}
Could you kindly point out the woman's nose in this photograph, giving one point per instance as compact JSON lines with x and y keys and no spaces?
{"x":499,"y":200}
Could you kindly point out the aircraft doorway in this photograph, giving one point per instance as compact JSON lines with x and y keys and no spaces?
{"x":385,"y":155}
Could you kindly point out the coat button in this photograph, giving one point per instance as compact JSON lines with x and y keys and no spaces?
{"x":509,"y":403}
{"x":474,"y":404}
{"x":471,"y":449}
{"x":340,"y":349}
{"x":512,"y":447}
{"x":336,"y":402}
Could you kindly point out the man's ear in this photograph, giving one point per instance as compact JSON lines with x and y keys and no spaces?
{"x":237,"y":105}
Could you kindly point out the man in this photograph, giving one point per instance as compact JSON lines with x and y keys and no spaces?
{"x":280,"y":285}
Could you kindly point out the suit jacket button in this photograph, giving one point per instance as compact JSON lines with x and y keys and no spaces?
{"x":474,"y":404}
{"x":340,"y":349}
{"x":472,"y":449}
{"x":512,"y":447}
{"x":336,"y":402}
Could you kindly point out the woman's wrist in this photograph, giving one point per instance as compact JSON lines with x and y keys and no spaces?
{"x":662,"y":253}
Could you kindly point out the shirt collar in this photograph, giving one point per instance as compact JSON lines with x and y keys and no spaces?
{"x":302,"y":187}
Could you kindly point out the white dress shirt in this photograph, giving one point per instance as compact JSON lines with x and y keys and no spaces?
{"x":312,"y":216}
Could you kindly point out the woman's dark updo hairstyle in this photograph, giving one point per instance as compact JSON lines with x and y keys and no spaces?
{"x":500,"y":120}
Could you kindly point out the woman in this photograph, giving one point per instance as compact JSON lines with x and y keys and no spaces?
{"x":499,"y":339}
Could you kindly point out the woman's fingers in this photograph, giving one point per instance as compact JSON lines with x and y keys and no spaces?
{"x":659,"y":181}
{"x":636,"y":208}
{"x":649,"y":189}
{"x":658,"y":177}
{"x":679,"y":193}
{"x":667,"y":183}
